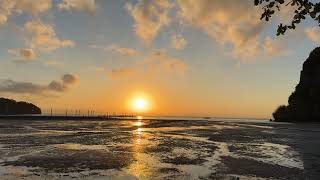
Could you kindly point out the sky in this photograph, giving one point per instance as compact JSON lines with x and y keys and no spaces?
{"x":182,"y":57}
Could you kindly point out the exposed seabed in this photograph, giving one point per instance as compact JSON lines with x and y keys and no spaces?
{"x":158,"y":149}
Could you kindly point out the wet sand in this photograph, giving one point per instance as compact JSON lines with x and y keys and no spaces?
{"x":158,"y":149}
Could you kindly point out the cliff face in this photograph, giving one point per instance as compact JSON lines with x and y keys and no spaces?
{"x":12,"y":107}
{"x":304,"y":102}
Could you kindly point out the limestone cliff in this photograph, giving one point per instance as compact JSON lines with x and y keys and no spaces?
{"x":304,"y":102}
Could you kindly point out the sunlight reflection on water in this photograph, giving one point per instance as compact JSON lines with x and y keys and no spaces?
{"x":138,"y":123}
{"x":141,"y":168}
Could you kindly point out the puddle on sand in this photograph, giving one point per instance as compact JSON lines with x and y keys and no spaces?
{"x":80,"y":146}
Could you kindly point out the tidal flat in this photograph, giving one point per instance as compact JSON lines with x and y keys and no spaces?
{"x":159,"y":149}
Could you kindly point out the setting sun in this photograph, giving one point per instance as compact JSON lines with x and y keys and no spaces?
{"x":140,"y":103}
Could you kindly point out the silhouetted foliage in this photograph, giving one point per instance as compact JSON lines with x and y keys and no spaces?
{"x":304,"y":102}
{"x":302,"y":10}
{"x":12,"y":107}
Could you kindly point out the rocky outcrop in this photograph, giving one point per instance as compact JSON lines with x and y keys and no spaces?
{"x":12,"y":107}
{"x":304,"y":102}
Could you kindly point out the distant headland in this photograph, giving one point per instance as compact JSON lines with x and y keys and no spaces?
{"x":12,"y":107}
{"x":13,"y":110}
{"x":304,"y":102}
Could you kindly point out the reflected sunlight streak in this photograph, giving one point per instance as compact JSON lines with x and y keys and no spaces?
{"x":141,"y":168}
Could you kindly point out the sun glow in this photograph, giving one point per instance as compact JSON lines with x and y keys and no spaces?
{"x":140,"y":103}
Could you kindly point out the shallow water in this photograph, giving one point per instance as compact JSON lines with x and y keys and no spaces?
{"x":159,"y":149}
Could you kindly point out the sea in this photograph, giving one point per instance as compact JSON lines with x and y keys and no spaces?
{"x":159,"y":148}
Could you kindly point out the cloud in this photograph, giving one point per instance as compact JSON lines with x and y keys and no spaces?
{"x":178,"y":42}
{"x":158,"y":60}
{"x":123,"y":51}
{"x":6,"y":10}
{"x":231,"y":22}
{"x":43,"y":36}
{"x":32,"y":6}
{"x":274,"y":47}
{"x":8,"y":7}
{"x":23,"y":55}
{"x":286,"y":13}
{"x":69,"y":79}
{"x":11,"y":86}
{"x":149,"y":17}
{"x":79,"y":5}
{"x":155,"y":62}
{"x":121,"y":72}
{"x":62,"y":85}
{"x":55,"y":86}
{"x":313,"y":33}
{"x":39,"y":35}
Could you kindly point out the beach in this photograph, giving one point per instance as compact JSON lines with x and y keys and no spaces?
{"x":159,"y":148}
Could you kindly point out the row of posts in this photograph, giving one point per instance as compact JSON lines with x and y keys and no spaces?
{"x":76,"y":112}
{"x":89,"y":113}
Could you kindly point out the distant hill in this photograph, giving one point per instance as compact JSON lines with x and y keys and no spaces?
{"x":12,"y":107}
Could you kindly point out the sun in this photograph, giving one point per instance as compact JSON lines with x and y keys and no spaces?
{"x":140,"y":103}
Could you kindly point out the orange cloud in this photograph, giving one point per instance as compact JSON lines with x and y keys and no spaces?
{"x":80,"y":5}
{"x":121,"y":50}
{"x":33,"y":7}
{"x":313,"y":33}
{"x":8,"y":7}
{"x":43,"y":36}
{"x":149,"y":17}
{"x":178,"y":42}
{"x":274,"y":47}
{"x":6,"y":10}
{"x":156,"y":62}
{"x":23,"y":55}
{"x":231,"y":21}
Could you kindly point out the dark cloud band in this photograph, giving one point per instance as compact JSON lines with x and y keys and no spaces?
{"x":16,"y":87}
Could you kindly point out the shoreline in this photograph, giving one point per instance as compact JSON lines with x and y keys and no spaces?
{"x":61,"y":117}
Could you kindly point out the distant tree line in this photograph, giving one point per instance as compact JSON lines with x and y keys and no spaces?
{"x":12,"y":107}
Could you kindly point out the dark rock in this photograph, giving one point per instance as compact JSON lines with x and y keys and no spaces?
{"x":12,"y":107}
{"x":304,"y":102}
